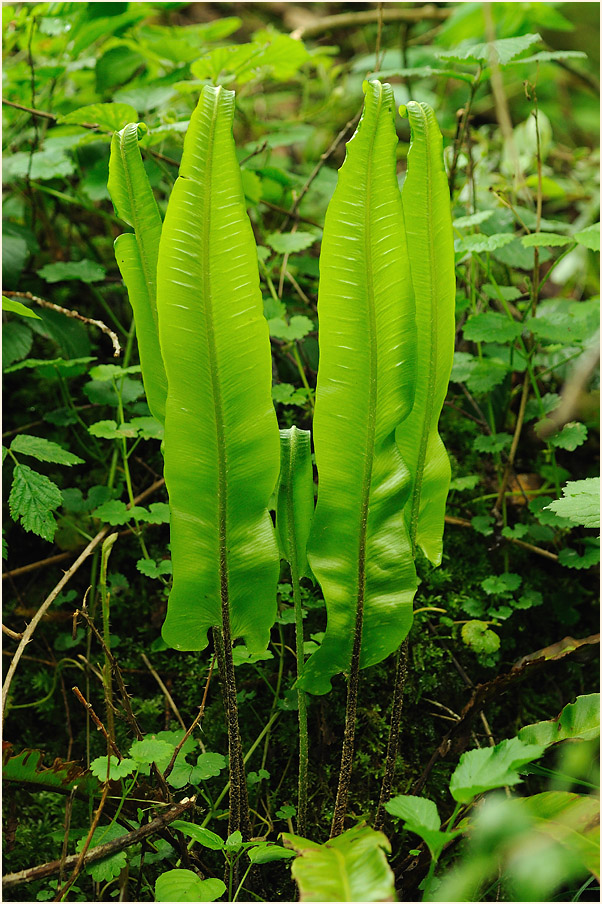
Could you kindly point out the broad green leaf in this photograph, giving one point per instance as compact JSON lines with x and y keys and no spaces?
{"x":571,"y":819}
{"x":85,"y":270}
{"x":43,"y":450}
{"x":351,"y":867}
{"x":501,"y":583}
{"x":421,"y":817}
{"x":570,"y":558}
{"x":494,"y":442}
{"x":110,"y":117}
{"x":550,"y":239}
{"x":359,"y":549}
{"x":208,"y":765}
{"x":221,"y":435}
{"x":297,"y":328}
{"x":580,"y":719}
{"x":480,"y":638}
{"x":491,"y":767}
{"x":202,"y":836}
{"x":590,"y":237}
{"x":547,"y":56}
{"x":473,"y":219}
{"x":137,"y":255}
{"x":184,"y":885}
{"x":295,"y":498}
{"x":16,"y":307}
{"x":289,"y":242}
{"x":152,"y":750}
{"x":502,"y":51}
{"x":153,"y":569}
{"x":32,"y":499}
{"x":267,"y":853}
{"x":111,"y":430}
{"x":580,"y":502}
{"x":491,"y":327}
{"x":51,"y":163}
{"x":427,"y":218}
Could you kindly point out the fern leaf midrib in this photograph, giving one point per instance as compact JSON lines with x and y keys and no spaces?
{"x":369,"y":457}
{"x":214,"y":380}
{"x":428,"y":413}
{"x":147,"y":270}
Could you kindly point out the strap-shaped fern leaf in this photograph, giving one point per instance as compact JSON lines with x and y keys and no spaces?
{"x":426,"y":207}
{"x":221,"y":434}
{"x":359,"y":549}
{"x":137,"y":255}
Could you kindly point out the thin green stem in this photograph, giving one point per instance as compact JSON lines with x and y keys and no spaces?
{"x":106,"y":631}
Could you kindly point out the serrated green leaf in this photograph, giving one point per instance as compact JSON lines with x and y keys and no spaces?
{"x":427,"y":217}
{"x":114,"y":512}
{"x":578,"y":720}
{"x":51,"y":163}
{"x":479,"y":243}
{"x":111,"y":430}
{"x":491,"y":327}
{"x":154,"y":569}
{"x":137,"y":256}
{"x":528,"y":599}
{"x":570,"y":437}
{"x":112,"y":371}
{"x":148,"y":427}
{"x":16,"y":307}
{"x":297,"y":328}
{"x":351,"y":867}
{"x":84,"y":270}
{"x":507,"y":293}
{"x":580,"y":502}
{"x":502,"y":51}
{"x":106,"y":869}
{"x":184,"y":885}
{"x":491,"y":767}
{"x":549,"y":239}
{"x":119,"y":769}
{"x":222,"y":445}
{"x":461,"y":484}
{"x":590,"y":237}
{"x":570,"y":558}
{"x":483,"y":524}
{"x":473,"y":219}
{"x":110,"y":117}
{"x":32,"y":499}
{"x":365,"y":311}
{"x":501,"y":583}
{"x":493,"y":442}
{"x":208,"y":765}
{"x":151,"y":750}
{"x":43,"y":450}
{"x":547,"y":56}
{"x":289,"y":242}
{"x":479,"y":637}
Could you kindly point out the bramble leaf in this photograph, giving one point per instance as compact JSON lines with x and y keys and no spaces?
{"x":580,"y":502}
{"x":32,"y":499}
{"x":43,"y":450}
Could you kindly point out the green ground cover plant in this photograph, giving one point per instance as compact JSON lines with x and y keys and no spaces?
{"x":246,"y":272}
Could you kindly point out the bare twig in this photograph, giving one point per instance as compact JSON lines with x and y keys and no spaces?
{"x":161,"y":684}
{"x":198,"y":718}
{"x":80,"y":859}
{"x":513,"y":448}
{"x":13,"y":634}
{"x":69,"y":313}
{"x":31,"y":627}
{"x":545,"y":553}
{"x":99,"y":726}
{"x":102,"y":850}
{"x":366,"y":17}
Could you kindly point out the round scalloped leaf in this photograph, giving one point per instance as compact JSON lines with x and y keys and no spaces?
{"x":184,"y":885}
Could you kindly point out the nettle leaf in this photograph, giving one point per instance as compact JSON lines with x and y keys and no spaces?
{"x":580,"y":502}
{"x":43,"y":450}
{"x":297,"y":328}
{"x":289,"y":242}
{"x":491,"y":767}
{"x":201,"y":835}
{"x":492,"y":443}
{"x":502,"y":51}
{"x":580,"y":719}
{"x":491,"y":327}
{"x":570,"y":558}
{"x":549,"y":239}
{"x":32,"y":499}
{"x":590,"y":237}
{"x":98,"y":767}
{"x":184,"y":885}
{"x":110,"y":117}
{"x":570,"y":437}
{"x":480,"y":242}
{"x":16,"y":307}
{"x":85,"y":270}
{"x":480,"y":638}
